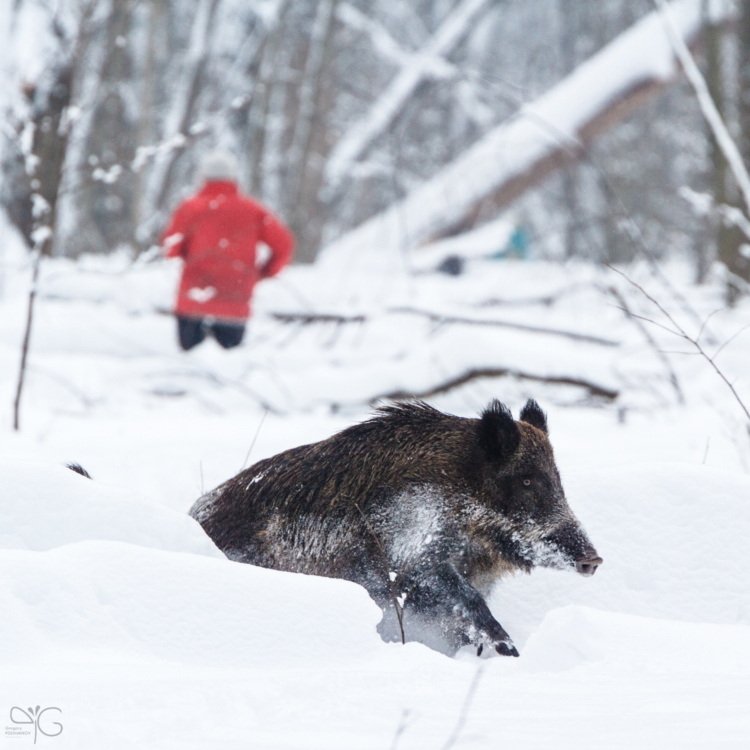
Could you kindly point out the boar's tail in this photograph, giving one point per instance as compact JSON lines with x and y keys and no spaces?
{"x":78,"y":469}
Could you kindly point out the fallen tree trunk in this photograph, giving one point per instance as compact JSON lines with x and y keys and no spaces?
{"x":542,"y":137}
{"x":497,"y":372}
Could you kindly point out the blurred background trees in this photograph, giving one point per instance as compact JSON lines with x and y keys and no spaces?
{"x":336,"y":108}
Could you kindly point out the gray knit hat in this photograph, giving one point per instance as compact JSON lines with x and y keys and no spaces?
{"x":218,"y":165}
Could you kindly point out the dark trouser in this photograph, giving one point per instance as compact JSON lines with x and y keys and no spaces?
{"x":193,"y":330}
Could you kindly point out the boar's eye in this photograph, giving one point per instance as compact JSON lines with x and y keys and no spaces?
{"x":527,"y":483}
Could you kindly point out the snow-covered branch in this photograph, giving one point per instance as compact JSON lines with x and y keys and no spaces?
{"x":424,"y":64}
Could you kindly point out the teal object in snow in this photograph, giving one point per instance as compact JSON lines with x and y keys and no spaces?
{"x":517,"y":246}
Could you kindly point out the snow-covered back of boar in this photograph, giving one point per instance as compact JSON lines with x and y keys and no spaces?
{"x":424,"y":509}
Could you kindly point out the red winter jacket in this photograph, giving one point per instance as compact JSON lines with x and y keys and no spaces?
{"x":216,"y":233}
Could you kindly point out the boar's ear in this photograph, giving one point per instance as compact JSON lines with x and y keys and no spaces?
{"x":498,"y":432}
{"x":532,"y":414}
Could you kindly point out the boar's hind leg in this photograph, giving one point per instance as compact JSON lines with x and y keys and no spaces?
{"x":443,"y":611}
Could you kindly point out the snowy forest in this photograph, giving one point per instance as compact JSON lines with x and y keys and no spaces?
{"x":542,"y":202}
{"x":337,"y":110}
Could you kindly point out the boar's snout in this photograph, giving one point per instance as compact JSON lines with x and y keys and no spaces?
{"x":588,"y":566}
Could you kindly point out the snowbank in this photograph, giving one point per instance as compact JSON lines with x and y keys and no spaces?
{"x":43,"y":506}
{"x":573,"y":637}
{"x":110,"y":602}
{"x":149,"y":639}
{"x":673,"y":537}
{"x":121,"y":612}
{"x":674,"y":542}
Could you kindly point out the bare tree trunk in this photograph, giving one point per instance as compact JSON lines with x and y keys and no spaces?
{"x":45,"y":163}
{"x":259,"y":113}
{"x":742,"y":257}
{"x":570,"y":28}
{"x":729,"y":238}
{"x":744,"y":79}
{"x":154,"y":63}
{"x":308,"y":180}
{"x":182,"y":110}
{"x":106,"y":206}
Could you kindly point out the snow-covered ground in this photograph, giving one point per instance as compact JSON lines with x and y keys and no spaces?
{"x":117,"y":610}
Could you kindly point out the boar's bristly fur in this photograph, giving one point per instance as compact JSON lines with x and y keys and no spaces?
{"x":417,"y":506}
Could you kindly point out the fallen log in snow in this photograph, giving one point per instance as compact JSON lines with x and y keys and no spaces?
{"x":309,"y":318}
{"x":497,"y":372}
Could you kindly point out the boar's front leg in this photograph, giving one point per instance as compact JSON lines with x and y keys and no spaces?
{"x":444,"y":611}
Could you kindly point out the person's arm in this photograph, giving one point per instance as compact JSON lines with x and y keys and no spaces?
{"x":280,"y":240}
{"x":173,"y":239}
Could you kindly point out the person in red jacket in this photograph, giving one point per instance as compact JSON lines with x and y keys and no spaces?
{"x":216,"y":233}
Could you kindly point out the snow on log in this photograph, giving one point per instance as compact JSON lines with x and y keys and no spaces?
{"x":543,"y":136}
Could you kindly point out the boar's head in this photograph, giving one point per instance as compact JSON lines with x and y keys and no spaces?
{"x":523,"y":498}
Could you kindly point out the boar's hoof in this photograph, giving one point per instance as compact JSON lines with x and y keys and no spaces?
{"x":506,"y":649}
{"x":588,"y":567}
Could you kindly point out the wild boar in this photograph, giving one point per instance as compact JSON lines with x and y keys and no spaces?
{"x":424,"y":509}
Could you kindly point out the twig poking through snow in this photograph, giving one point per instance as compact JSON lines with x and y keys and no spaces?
{"x":398,"y":603}
{"x":401,"y":728}
{"x":465,"y":709}
{"x":252,"y":445}
{"x":41,"y":240}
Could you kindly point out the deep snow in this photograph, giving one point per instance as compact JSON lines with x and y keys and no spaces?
{"x":154,"y":648}
{"x":119,"y":611}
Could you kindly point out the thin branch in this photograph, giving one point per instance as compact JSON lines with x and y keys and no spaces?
{"x":307,"y":318}
{"x":729,"y":340}
{"x":650,"y":339}
{"x":252,"y":445}
{"x":27,"y":333}
{"x":389,"y":574}
{"x":680,"y":332}
{"x":386,"y":108}
{"x":546,"y":300}
{"x":647,"y":320}
{"x":437,"y":317}
{"x":708,"y":317}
